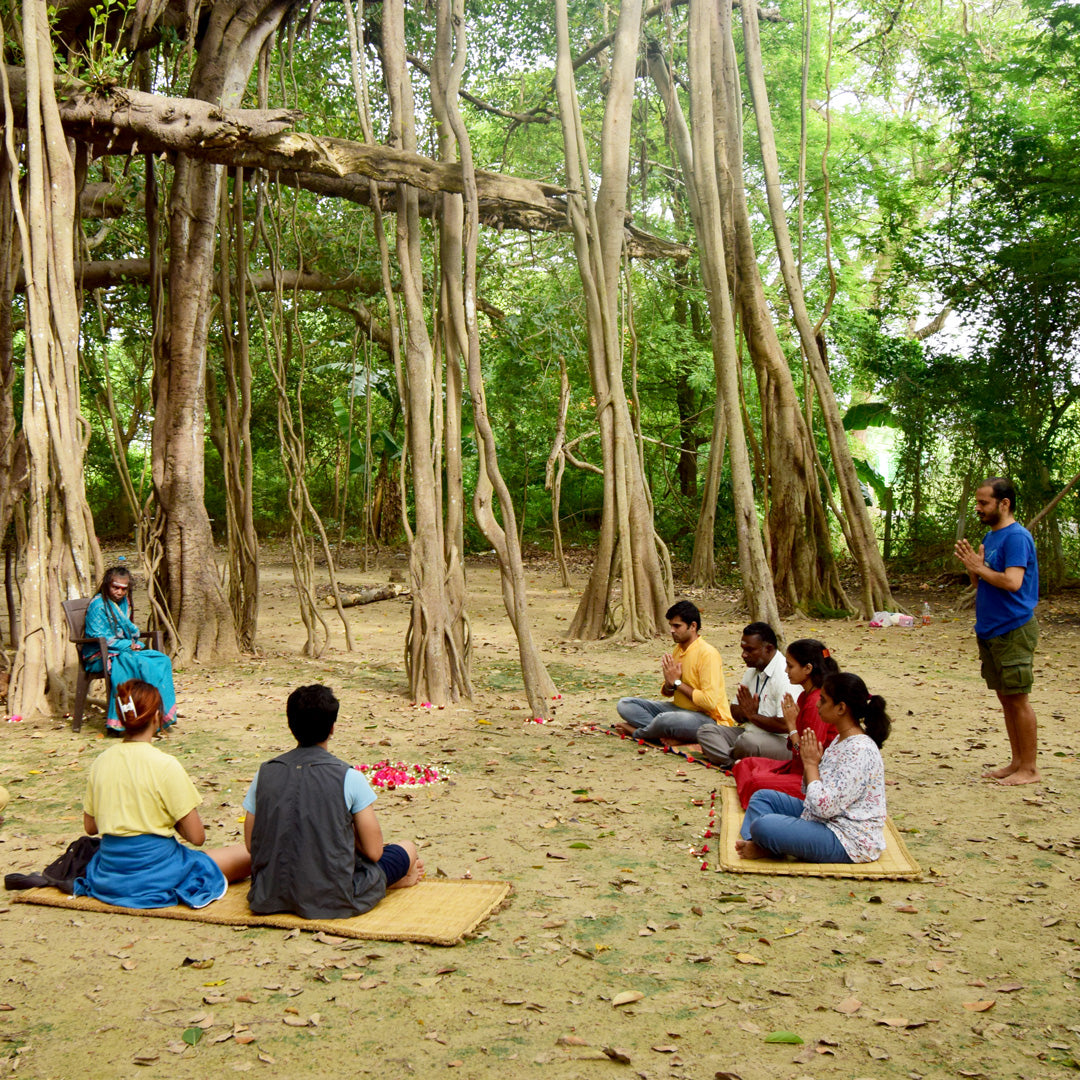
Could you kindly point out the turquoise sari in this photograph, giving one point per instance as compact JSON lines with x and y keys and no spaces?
{"x":127,"y":658}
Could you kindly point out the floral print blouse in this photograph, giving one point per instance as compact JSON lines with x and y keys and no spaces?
{"x":850,"y":796}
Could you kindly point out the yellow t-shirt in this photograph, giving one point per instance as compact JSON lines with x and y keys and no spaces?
{"x":134,"y":789}
{"x":704,"y":671}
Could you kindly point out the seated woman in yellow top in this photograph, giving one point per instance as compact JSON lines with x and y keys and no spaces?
{"x":137,"y":797}
{"x":693,"y":679}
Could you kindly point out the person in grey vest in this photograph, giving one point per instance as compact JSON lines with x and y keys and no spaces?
{"x":316,"y":845}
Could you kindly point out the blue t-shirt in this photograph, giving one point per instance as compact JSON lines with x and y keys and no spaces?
{"x":357,"y":791}
{"x":997,"y":611}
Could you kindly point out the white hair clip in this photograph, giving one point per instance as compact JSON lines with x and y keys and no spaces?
{"x":127,"y":706}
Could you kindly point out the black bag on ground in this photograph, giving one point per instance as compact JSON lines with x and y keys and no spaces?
{"x":61,"y":873}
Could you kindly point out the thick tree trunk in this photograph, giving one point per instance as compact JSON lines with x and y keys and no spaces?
{"x":61,"y":559}
{"x":705,"y":38}
{"x":460,"y":287}
{"x":697,"y":156}
{"x":238,"y":461}
{"x":234,"y":35}
{"x":437,"y":668}
{"x":860,"y":533}
{"x":627,"y":546}
{"x":454,"y":339}
{"x":804,"y":570}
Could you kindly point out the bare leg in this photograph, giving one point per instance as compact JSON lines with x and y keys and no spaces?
{"x":234,"y":862}
{"x":416,"y":867}
{"x":1022,"y":729}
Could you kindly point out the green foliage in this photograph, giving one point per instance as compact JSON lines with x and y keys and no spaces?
{"x":102,"y":61}
{"x":870,"y":414}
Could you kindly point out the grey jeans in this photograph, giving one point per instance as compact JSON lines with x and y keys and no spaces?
{"x":656,"y":720}
{"x":725,"y":745}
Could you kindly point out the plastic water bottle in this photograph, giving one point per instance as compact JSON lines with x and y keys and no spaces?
{"x":926,"y":617}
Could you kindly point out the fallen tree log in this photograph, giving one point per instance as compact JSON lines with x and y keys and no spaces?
{"x":367,"y":596}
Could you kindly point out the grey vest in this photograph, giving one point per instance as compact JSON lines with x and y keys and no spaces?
{"x":303,"y":847}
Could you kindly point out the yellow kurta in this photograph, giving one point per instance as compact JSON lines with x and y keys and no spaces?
{"x":704,"y":671}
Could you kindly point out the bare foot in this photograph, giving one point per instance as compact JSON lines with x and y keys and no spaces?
{"x":683,"y":748}
{"x":1021,"y":776}
{"x":1000,"y":774}
{"x":414,"y":875}
{"x":747,"y":849}
{"x":624,"y":729}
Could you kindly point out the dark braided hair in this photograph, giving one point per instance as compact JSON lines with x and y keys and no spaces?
{"x":813,"y":653}
{"x":868,"y":709}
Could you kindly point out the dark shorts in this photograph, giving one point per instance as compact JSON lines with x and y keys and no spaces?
{"x":1007,"y":659}
{"x":394,"y":863}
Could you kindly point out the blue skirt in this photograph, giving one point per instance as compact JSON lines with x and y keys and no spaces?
{"x":151,"y":871}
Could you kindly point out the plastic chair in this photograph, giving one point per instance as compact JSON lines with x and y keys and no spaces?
{"x":75,"y":612}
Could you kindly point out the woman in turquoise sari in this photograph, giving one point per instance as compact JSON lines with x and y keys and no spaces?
{"x":110,"y":615}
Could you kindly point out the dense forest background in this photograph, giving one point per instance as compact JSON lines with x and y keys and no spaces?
{"x":476,"y":254}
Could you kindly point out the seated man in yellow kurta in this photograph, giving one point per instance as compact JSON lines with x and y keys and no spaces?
{"x":693,"y":679}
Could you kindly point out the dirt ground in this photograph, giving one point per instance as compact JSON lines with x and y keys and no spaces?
{"x":971,"y":972}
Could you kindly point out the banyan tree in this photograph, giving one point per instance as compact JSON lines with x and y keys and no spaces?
{"x":175,"y":155}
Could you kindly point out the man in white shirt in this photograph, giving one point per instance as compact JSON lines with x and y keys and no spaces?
{"x":758,"y":712}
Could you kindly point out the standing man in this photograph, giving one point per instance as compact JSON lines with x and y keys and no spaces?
{"x":693,"y":679}
{"x":758,"y":712}
{"x":1006,"y":574}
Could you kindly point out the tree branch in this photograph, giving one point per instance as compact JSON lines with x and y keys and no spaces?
{"x":121,"y":121}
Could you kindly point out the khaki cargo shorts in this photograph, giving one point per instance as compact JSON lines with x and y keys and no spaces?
{"x":1007,"y":659}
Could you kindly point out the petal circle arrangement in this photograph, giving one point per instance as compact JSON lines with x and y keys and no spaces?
{"x":395,"y":774}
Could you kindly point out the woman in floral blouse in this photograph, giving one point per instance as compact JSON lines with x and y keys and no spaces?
{"x":843,"y":817}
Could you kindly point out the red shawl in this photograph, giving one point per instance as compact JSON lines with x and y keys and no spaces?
{"x":752,"y":774}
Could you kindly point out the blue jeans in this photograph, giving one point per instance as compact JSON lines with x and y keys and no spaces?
{"x":656,"y":720}
{"x":773,"y":822}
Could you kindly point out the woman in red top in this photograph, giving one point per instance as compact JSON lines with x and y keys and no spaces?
{"x":808,"y":663}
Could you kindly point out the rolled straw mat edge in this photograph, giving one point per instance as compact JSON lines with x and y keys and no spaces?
{"x":432,"y":912}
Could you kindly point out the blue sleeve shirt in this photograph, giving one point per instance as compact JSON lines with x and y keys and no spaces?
{"x":358,"y":792}
{"x":997,"y":611}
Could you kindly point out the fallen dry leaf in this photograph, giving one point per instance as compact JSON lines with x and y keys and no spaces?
{"x":617,"y":1054}
{"x":748,"y":958}
{"x":979,"y":1006}
{"x":571,"y":1040}
{"x":627,"y":997}
{"x":849,"y":1006}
